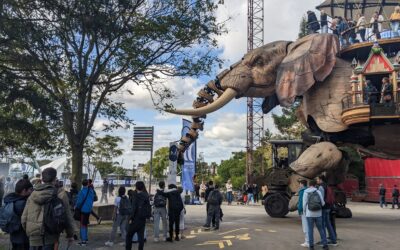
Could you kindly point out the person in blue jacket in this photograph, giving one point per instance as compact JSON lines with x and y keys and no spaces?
{"x":303,"y":186}
{"x":85,"y":204}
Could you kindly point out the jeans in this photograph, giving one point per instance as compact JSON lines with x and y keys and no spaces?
{"x":395,"y":201}
{"x":136,"y":227}
{"x":318,"y":222}
{"x":229,"y":197}
{"x":120,"y":221}
{"x":213,"y":212}
{"x":362,"y":34}
{"x":326,"y":224}
{"x":395,"y":28}
{"x":304,"y":225}
{"x":160,"y":213}
{"x":382,"y":200}
{"x":250,"y":197}
{"x":324,"y":29}
{"x":84,"y":226}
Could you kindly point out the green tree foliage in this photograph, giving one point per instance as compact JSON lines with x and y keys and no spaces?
{"x":101,"y":151}
{"x":27,"y":119}
{"x":234,"y":168}
{"x":356,"y":166}
{"x":303,"y":27}
{"x":160,"y":162}
{"x":79,"y":52}
{"x":288,"y":124}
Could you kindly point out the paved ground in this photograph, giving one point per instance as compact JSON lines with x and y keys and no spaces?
{"x":248,"y":227}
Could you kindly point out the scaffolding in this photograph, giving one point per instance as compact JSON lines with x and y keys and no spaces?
{"x":255,"y":115}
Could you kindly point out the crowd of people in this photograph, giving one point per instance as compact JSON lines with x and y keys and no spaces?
{"x":315,"y":208}
{"x":353,"y":31}
{"x":37,"y":211}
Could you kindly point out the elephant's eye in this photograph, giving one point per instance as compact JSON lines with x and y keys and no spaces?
{"x":258,"y":62}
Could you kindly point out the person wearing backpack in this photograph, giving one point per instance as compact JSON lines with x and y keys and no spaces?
{"x":326,"y":209}
{"x":98,"y":218}
{"x":47,"y":214}
{"x":160,"y":212}
{"x":17,"y":202}
{"x":214,"y":202}
{"x":141,"y":210}
{"x":395,"y":196}
{"x":175,"y":206}
{"x":313,"y":201}
{"x":122,"y":209}
{"x":85,"y":204}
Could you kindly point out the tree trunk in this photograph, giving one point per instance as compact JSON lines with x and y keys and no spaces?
{"x":77,"y":164}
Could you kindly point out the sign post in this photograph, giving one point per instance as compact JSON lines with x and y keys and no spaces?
{"x":143,"y":140}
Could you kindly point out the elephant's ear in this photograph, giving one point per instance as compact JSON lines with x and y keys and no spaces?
{"x":309,"y":60}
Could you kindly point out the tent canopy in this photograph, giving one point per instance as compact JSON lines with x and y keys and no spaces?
{"x":350,"y":8}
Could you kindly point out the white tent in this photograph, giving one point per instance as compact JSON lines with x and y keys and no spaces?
{"x":63,"y":166}
{"x":19,"y":169}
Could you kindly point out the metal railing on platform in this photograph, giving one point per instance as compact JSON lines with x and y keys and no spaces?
{"x":378,"y":105}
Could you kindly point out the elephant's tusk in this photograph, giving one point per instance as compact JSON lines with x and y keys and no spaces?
{"x":226,"y":97}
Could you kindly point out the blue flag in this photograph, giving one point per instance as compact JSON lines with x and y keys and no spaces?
{"x":189,"y":167}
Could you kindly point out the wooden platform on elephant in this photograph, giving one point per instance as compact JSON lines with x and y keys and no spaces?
{"x":361,"y":50}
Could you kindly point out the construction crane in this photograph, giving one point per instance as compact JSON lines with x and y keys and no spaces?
{"x":255,"y":115}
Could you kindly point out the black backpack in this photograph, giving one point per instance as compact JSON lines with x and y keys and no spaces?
{"x":160,"y":200}
{"x":55,"y":215}
{"x":144,"y":209}
{"x":9,"y":221}
{"x":125,"y":206}
{"x":213,"y":198}
{"x":314,"y":201}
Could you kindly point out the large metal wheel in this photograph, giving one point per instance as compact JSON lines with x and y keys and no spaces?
{"x":276,"y":205}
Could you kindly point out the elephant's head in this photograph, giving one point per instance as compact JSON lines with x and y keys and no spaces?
{"x":280,"y":69}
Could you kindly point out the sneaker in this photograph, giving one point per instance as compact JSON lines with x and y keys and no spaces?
{"x":109,"y":243}
{"x":325,"y":247}
{"x":176,"y":238}
{"x":214,"y":228}
{"x":99,"y":220}
{"x":331,"y":243}
{"x":169,"y":239}
{"x":206,"y":227}
{"x":304,"y":244}
{"x":156,"y":240}
{"x":82,"y":244}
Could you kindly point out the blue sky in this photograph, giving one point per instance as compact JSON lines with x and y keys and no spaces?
{"x":225,"y":129}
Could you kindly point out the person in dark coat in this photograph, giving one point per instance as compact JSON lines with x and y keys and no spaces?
{"x":111,"y":188}
{"x":382,"y":193}
{"x":312,"y":22}
{"x":137,"y":222}
{"x":175,"y":206}
{"x":104,"y":191}
{"x":214,"y":208}
{"x":23,"y":189}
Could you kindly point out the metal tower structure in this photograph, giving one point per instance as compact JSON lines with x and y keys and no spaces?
{"x":255,"y":116}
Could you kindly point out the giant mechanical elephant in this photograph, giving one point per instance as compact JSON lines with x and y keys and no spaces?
{"x":309,"y":71}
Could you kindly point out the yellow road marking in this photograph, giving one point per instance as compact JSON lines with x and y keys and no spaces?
{"x":243,"y":237}
{"x":229,"y":237}
{"x":190,"y":237}
{"x":233,"y":231}
{"x":258,"y":230}
{"x":220,"y":243}
{"x":272,"y":231}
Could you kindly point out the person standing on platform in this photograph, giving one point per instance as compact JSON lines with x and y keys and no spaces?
{"x":324,"y":22}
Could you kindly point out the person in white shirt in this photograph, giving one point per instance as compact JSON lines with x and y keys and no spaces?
{"x":120,"y":215}
{"x":229,"y":187}
{"x":313,"y":215}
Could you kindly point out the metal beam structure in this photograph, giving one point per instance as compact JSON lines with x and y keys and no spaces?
{"x":255,"y":116}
